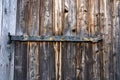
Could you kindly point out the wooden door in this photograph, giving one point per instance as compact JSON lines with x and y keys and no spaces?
{"x":65,"y":60}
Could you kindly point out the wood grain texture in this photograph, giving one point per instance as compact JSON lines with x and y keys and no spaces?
{"x":32,"y":22}
{"x":47,"y":56}
{"x":7,"y":12}
{"x":20,"y":67}
{"x":68,"y":53}
{"x":58,"y":9}
{"x":117,"y":72}
{"x":68,"y":60}
{"x":82,"y":21}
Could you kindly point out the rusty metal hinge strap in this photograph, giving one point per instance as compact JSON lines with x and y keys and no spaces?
{"x":25,"y":38}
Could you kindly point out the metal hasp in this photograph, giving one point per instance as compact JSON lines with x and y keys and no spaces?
{"x":25,"y":38}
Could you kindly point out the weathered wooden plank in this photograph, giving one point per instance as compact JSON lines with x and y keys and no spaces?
{"x":7,"y":11}
{"x":57,"y":30}
{"x":68,"y":53}
{"x":96,"y":50}
{"x":47,"y":61}
{"x":20,"y":68}
{"x":78,"y":61}
{"x":0,"y":18}
{"x":47,"y":56}
{"x":21,"y":48}
{"x":95,"y":29}
{"x":107,"y":37}
{"x":89,"y":47}
{"x":118,"y":42}
{"x":82,"y":11}
{"x":32,"y":22}
{"x":68,"y":62}
{"x":33,"y":61}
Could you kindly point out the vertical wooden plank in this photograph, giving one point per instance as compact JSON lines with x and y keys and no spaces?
{"x":12,"y":29}
{"x":115,"y":15}
{"x":111,"y":58}
{"x":118,"y":42}
{"x":47,"y":62}
{"x":116,"y":49}
{"x":96,"y":32}
{"x":57,"y":30}
{"x":91,"y":31}
{"x":20,"y":67}
{"x":4,"y":52}
{"x":32,"y":23}
{"x":33,"y":61}
{"x":107,"y":44}
{"x":94,"y":29}
{"x":82,"y":10}
{"x":0,"y":19}
{"x":7,"y":11}
{"x":70,"y":29}
{"x":79,"y":61}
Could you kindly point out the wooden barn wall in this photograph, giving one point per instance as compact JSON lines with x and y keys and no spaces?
{"x":68,"y":60}
{"x":60,"y":60}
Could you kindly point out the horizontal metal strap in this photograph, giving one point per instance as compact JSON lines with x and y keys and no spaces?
{"x":25,"y":38}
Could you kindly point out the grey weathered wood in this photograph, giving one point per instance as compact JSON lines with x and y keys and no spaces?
{"x":82,"y":21}
{"x":7,"y":12}
{"x":57,"y":30}
{"x":32,"y":17}
{"x":117,"y":41}
{"x":47,"y":71}
{"x":60,"y":60}
{"x":0,"y":17}
{"x":20,"y":68}
{"x":68,"y":50}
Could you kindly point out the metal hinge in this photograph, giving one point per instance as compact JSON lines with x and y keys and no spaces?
{"x":25,"y":38}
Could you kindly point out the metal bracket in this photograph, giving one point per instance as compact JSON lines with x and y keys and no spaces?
{"x":25,"y":38}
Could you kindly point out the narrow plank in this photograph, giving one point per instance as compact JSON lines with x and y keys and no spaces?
{"x":7,"y":11}
{"x":57,"y":30}
{"x":47,"y":61}
{"x":20,"y":67}
{"x":107,"y":38}
{"x":89,"y":47}
{"x":47,"y":56}
{"x":68,"y":63}
{"x":68,"y":53}
{"x":58,"y":60}
{"x":12,"y":29}
{"x":111,"y":58}
{"x":78,"y":61}
{"x":32,"y":23}
{"x":99,"y":30}
{"x":82,"y":11}
{"x":118,"y":43}
{"x":0,"y":19}
{"x":33,"y":61}
{"x":94,"y":30}
{"x":115,"y":31}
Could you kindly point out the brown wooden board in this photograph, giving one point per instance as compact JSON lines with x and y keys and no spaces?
{"x":47,"y":56}
{"x":20,"y":68}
